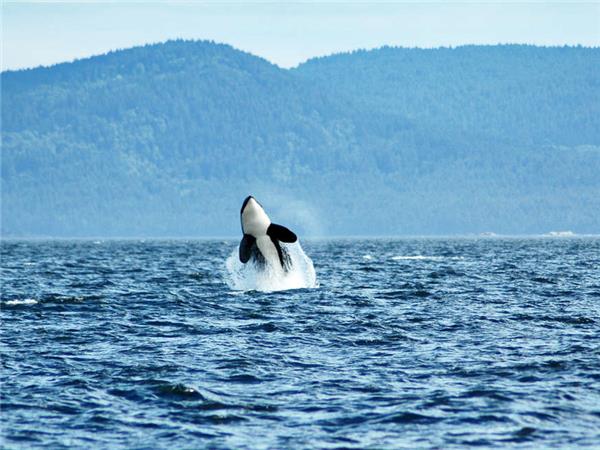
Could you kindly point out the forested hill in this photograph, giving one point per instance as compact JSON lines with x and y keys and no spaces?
{"x":510,"y":93}
{"x":167,"y":140}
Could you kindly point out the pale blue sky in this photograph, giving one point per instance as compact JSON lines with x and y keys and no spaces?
{"x":45,"y":33}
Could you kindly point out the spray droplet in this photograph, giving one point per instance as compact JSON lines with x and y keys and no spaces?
{"x":251,"y":277}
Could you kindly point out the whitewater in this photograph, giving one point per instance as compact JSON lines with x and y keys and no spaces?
{"x":270,"y":278}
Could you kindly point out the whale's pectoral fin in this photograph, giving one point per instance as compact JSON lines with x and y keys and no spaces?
{"x":281,"y":233}
{"x":246,"y":245}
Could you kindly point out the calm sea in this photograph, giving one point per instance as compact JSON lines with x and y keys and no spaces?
{"x":408,"y":343}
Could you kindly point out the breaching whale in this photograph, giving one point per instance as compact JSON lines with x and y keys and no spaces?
{"x":262,"y":238}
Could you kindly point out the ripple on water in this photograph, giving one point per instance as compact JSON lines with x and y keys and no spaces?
{"x":408,"y":343}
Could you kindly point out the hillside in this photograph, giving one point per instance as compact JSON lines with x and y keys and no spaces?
{"x":167,"y":139}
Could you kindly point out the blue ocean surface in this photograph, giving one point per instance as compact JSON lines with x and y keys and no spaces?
{"x":401,"y":343}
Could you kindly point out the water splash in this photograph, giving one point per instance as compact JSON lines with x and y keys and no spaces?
{"x":250,"y":277}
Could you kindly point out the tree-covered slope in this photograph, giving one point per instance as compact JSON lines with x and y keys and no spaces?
{"x":541,"y":95}
{"x":167,"y":139}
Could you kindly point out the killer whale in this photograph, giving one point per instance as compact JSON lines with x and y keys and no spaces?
{"x":262,"y":238}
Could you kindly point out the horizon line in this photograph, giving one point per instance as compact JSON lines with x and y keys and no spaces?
{"x":558,"y":235}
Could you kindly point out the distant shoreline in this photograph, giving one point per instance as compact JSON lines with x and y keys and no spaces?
{"x":307,"y":238}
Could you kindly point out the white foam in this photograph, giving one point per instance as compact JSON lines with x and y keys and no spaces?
{"x":415,"y":257}
{"x":424,"y":257}
{"x":367,"y":257}
{"x":249,"y":277}
{"x":27,"y":301}
{"x":567,"y":233}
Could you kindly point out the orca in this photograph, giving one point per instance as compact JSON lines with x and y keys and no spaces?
{"x":262,"y":238}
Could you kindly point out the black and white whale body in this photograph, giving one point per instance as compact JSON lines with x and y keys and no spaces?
{"x":262,"y":238}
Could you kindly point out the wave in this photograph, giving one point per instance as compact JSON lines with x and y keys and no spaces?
{"x":27,"y":301}
{"x":250,"y":277}
{"x":567,"y":233}
{"x":423,"y":257}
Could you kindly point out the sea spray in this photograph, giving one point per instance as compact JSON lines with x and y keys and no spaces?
{"x":268,"y":278}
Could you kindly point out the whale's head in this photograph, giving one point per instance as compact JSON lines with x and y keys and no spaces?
{"x":254,"y":218}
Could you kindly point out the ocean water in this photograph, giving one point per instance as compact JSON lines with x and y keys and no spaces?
{"x":408,"y":343}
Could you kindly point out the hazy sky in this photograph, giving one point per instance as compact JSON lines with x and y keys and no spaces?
{"x":42,"y":33}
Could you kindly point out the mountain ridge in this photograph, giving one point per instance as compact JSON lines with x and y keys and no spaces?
{"x":311,"y":59}
{"x":170,"y":145}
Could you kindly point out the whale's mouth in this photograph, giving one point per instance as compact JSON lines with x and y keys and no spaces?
{"x":266,"y":277}
{"x":245,"y":203}
{"x":250,"y":201}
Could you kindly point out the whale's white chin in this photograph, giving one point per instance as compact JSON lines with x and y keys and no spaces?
{"x":254,"y":219}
